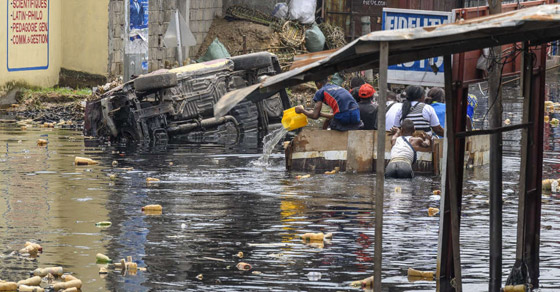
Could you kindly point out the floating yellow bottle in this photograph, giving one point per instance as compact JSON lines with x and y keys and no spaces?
{"x":84,"y":161}
{"x":33,"y":281}
{"x":315,"y":236}
{"x":432,"y":211}
{"x":516,"y":288}
{"x":55,"y":271}
{"x":8,"y":286}
{"x":291,"y":120}
{"x":366,"y":283}
{"x":26,"y":288}
{"x":420,"y":274}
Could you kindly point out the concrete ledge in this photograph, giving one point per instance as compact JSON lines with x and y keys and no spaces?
{"x":77,"y":79}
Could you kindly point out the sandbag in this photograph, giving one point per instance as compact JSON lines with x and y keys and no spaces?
{"x":303,"y":10}
{"x":280,"y":11}
{"x":314,"y":39}
{"x":216,"y":50}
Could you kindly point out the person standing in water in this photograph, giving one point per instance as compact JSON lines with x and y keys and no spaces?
{"x":403,"y":151}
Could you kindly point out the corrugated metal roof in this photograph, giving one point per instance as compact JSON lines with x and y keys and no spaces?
{"x":536,"y":24}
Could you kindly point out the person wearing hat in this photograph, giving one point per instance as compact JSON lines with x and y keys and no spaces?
{"x":368,"y":109}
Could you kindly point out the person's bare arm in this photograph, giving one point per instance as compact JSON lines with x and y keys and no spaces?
{"x":395,"y":136}
{"x":422,"y":144}
{"x":315,"y":113}
{"x":438,"y":130}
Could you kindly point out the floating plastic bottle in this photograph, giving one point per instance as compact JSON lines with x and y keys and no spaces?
{"x":55,"y":271}
{"x":554,"y":122}
{"x":316,"y":236}
{"x":239,"y":255}
{"x":546,"y":119}
{"x":31,"y":248}
{"x":33,"y":281}
{"x":101,"y":258}
{"x":420,"y":274}
{"x":398,"y":190}
{"x":366,"y":283}
{"x":8,"y":286}
{"x":73,"y":289}
{"x":26,"y":288}
{"x":314,"y":276}
{"x":437,"y":192}
{"x":103,"y":224}
{"x":152,"y":180}
{"x":74,"y":283}
{"x":152,"y":208}
{"x":516,"y":288}
{"x":42,"y":142}
{"x":432,"y":211}
{"x":84,"y":161}
{"x":507,"y":122}
{"x":303,"y":176}
{"x":200,"y":277}
{"x":292,"y":120}
{"x":554,"y":186}
{"x":115,"y":163}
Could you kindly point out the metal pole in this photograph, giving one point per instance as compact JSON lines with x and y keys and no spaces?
{"x":179,"y":44}
{"x":366,"y":29}
{"x":495,"y":121}
{"x":452,"y":164}
{"x":380,"y":164}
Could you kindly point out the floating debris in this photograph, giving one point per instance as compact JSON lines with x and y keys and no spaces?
{"x":8,"y":286}
{"x":69,"y":282}
{"x":516,"y":288}
{"x":554,"y":123}
{"x":42,"y":142}
{"x":103,"y":270}
{"x":507,"y":122}
{"x":432,"y":211}
{"x":437,"y":192}
{"x":398,"y":190}
{"x":303,"y":176}
{"x":243,"y":266}
{"x":239,"y":255}
{"x":315,"y":236}
{"x":152,"y":180}
{"x":256,"y":273}
{"x":84,"y":161}
{"x":29,"y":288}
{"x":200,"y":277}
{"x":31,"y":248}
{"x":152,"y":208}
{"x":103,"y":224}
{"x":334,"y":171}
{"x":314,"y":276}
{"x":114,"y":163}
{"x":33,"y":281}
{"x":364,"y":283}
{"x":55,"y":271}
{"x":420,"y":274}
{"x":101,"y":258}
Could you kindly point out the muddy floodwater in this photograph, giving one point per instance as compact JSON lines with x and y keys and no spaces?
{"x":218,"y":202}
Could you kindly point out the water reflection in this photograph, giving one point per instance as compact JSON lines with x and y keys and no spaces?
{"x":216,"y":204}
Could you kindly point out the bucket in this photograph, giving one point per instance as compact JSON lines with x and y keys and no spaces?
{"x":292,"y":121}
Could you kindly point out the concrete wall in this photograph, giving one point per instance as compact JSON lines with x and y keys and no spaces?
{"x":47,"y":58}
{"x":201,"y":15}
{"x":84,"y":31}
{"x":116,"y":35}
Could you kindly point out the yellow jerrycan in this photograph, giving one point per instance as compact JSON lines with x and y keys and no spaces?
{"x":292,"y":121}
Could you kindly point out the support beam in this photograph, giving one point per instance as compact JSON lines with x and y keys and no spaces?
{"x":380,"y":165}
{"x":495,"y":194}
{"x":449,"y":257}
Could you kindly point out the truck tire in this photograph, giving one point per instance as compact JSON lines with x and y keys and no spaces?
{"x":252,"y":61}
{"x":247,"y":115}
{"x":156,"y":81}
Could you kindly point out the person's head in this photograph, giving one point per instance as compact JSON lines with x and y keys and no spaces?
{"x":391,"y":96}
{"x":321,"y":82}
{"x":436,"y":94}
{"x":412,"y":93}
{"x":407,"y":127}
{"x":356,"y":81}
{"x":366,"y":92}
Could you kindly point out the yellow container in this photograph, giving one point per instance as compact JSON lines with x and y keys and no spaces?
{"x":292,"y":121}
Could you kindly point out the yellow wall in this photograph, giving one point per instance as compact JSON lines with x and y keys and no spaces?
{"x":44,"y":77}
{"x":78,"y":40}
{"x":85,"y":31}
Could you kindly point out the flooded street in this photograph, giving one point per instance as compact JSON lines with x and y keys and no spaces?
{"x":216,"y":204}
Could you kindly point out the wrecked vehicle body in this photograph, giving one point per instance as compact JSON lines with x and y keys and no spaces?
{"x":178,"y":104}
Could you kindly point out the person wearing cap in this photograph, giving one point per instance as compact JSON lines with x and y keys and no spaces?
{"x":346,"y":113}
{"x":403,"y":150}
{"x":368,"y":109}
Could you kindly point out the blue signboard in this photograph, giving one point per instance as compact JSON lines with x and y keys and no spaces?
{"x":138,"y":14}
{"x":420,"y":72}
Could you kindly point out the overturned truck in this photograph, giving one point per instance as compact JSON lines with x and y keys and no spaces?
{"x":178,"y":104}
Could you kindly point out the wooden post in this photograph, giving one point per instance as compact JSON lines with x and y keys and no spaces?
{"x":495,"y":195}
{"x":450,"y":191}
{"x":380,"y":164}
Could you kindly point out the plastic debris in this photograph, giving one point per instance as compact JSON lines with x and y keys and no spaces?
{"x":314,"y":276}
{"x":437,"y":192}
{"x":73,"y":289}
{"x":114,"y":163}
{"x":554,"y":123}
{"x":113,"y":176}
{"x":364,"y":283}
{"x":314,"y":39}
{"x":33,"y":281}
{"x":243,"y":266}
{"x":316,"y":236}
{"x":8,"y":286}
{"x":84,"y":161}
{"x":153,"y":208}
{"x":103,"y":224}
{"x":69,"y":282}
{"x":200,"y":277}
{"x":152,"y":180}
{"x":507,"y":122}
{"x":546,"y":119}
{"x":547,"y":227}
{"x":547,"y":184}
{"x":256,"y":273}
{"x":27,"y":288}
{"x":101,"y":258}
{"x":239,"y":255}
{"x":171,"y":163}
{"x":31,"y":248}
{"x":398,"y":190}
{"x":42,"y":142}
{"x":516,"y":288}
{"x":432,"y":211}
{"x":554,"y":186}
{"x":55,"y":271}
{"x":303,"y":176}
{"x":103,"y":270}
{"x":420,"y":274}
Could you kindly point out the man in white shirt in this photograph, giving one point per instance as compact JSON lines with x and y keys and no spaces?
{"x":393,"y":106}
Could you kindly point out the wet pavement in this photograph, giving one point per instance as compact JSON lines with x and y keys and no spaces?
{"x":218,"y":202}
